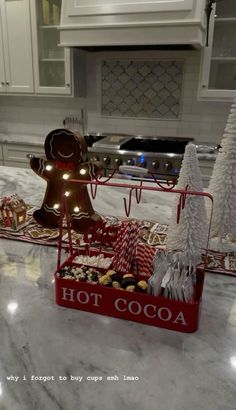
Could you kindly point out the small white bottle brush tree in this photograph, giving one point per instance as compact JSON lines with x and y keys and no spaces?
{"x":223,"y":186}
{"x":191,"y":233}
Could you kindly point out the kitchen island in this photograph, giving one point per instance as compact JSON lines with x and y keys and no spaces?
{"x":54,"y":358}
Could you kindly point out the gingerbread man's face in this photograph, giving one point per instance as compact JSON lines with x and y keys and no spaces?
{"x":65,"y":146}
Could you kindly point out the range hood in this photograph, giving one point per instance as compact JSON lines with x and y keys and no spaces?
{"x":113,"y":23}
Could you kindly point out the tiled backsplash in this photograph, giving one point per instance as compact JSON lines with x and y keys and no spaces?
{"x":204,"y":121}
{"x":142,"y":88}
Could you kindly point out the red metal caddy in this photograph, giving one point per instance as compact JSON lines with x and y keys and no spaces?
{"x":138,"y":307}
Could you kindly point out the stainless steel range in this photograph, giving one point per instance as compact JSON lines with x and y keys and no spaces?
{"x":161,"y":156}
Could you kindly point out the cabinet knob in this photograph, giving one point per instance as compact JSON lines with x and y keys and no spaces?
{"x":68,"y":84}
{"x":29,"y":156}
{"x":2,"y":83}
{"x":7,"y":83}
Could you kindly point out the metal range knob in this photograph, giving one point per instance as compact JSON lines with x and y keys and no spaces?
{"x":155,"y":164}
{"x":168,"y":166}
{"x":106,"y":160}
{"x":95,"y":158}
{"x":118,"y":161}
{"x":130,"y":161}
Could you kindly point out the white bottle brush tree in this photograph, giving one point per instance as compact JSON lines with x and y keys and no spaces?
{"x":223,"y":184}
{"x":191,"y":233}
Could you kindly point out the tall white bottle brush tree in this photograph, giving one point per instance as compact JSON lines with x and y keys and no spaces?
{"x":191,"y":233}
{"x":223,"y":184}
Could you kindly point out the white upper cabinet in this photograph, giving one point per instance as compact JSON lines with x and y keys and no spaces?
{"x":51,"y":63}
{"x":16,"y":67}
{"x":129,"y":22}
{"x":218,"y":75}
{"x":2,"y":66}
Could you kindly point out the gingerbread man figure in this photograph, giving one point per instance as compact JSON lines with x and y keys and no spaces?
{"x":65,"y":155}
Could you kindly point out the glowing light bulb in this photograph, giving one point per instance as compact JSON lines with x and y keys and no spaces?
{"x":66,"y":176}
{"x":12,"y":307}
{"x":56,"y":206}
{"x":82,"y":171}
{"x":76,"y":209}
{"x":48,"y":167}
{"x":67,"y":193}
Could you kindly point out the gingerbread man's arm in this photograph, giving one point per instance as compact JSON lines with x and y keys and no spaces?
{"x":42,"y":168}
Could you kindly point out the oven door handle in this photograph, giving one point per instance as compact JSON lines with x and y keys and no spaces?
{"x":133,"y":170}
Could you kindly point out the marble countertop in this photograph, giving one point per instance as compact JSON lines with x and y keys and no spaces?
{"x":37,"y":140}
{"x":38,"y":339}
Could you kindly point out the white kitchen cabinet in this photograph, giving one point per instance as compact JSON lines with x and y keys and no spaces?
{"x":18,"y":155}
{"x":218,"y":75}
{"x":2,"y":66}
{"x":16,"y":68}
{"x":52,"y":65}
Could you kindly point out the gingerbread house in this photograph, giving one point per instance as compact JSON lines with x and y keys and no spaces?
{"x":12,"y":212}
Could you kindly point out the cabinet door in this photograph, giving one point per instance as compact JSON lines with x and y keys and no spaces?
{"x":219,"y":59}
{"x":19,"y":155}
{"x":51,"y":63}
{"x":2,"y":68}
{"x":16,"y":29}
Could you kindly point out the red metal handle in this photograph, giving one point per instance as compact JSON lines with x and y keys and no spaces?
{"x":138,"y":189}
